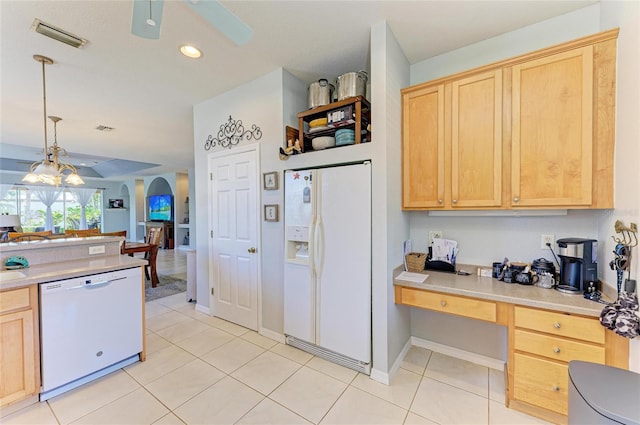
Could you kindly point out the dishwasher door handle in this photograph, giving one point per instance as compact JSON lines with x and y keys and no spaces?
{"x":87,"y":284}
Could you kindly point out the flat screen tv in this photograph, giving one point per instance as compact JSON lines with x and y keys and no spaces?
{"x":161,"y":208}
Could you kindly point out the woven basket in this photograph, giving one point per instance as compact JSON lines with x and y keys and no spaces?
{"x":415,"y":261}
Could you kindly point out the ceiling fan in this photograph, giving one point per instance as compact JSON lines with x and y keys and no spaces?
{"x":147,"y":19}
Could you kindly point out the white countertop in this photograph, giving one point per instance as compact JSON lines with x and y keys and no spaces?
{"x":494,"y":290}
{"x":69,"y":269}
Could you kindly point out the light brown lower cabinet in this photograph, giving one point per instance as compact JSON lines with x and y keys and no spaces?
{"x":541,"y":345}
{"x":19,"y":348}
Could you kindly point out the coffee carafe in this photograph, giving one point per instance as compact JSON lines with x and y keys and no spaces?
{"x":578,"y":264}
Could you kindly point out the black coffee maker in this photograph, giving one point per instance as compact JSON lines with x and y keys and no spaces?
{"x":578,"y":264}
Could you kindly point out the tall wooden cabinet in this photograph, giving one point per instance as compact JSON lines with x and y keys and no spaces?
{"x":19,"y":348}
{"x":535,"y":131}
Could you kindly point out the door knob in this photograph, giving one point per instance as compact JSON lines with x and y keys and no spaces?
{"x":252,"y":250}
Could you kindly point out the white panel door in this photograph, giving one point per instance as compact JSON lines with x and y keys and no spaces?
{"x":234,"y":237}
{"x":342,"y":260}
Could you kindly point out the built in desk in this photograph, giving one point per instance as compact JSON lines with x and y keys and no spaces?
{"x":545,"y":329}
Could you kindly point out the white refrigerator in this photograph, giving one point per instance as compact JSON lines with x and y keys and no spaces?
{"x":327,"y":271}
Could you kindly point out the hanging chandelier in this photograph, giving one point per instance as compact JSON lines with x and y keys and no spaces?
{"x":51,"y":169}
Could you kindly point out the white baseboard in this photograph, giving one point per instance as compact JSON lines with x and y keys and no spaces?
{"x":476,"y":358}
{"x":272,"y":335}
{"x":385,"y":378}
{"x":203,"y":309}
{"x":380,"y":376}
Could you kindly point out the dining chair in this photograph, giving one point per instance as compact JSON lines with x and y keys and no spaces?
{"x":122,"y":233}
{"x":154,"y":238}
{"x":28,"y":236}
{"x":77,"y":233}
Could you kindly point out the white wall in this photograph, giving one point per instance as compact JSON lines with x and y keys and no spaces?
{"x":556,"y":30}
{"x":626,"y":16}
{"x":389,"y":74}
{"x":258,"y":102}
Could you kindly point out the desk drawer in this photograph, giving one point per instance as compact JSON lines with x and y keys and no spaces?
{"x":557,"y":348}
{"x":452,"y":304}
{"x":541,"y":382}
{"x":584,"y":328}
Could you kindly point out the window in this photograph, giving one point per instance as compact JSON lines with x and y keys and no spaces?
{"x":65,"y":210}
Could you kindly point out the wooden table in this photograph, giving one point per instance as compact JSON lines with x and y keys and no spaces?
{"x":131,"y":248}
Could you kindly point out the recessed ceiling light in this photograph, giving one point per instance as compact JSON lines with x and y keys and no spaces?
{"x":190,"y":51}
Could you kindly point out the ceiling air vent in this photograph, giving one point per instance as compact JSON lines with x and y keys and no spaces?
{"x":104,"y":128}
{"x":57,"y":34}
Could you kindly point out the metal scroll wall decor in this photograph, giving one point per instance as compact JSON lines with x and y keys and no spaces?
{"x":231,"y":133}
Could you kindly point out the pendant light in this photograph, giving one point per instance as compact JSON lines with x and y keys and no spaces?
{"x":51,"y":169}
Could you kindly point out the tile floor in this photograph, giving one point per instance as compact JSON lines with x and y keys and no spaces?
{"x":204,"y":370}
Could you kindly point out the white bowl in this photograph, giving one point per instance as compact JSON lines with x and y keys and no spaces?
{"x":323,"y":142}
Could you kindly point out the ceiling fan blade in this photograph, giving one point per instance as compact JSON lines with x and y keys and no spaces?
{"x":143,"y":10}
{"x":221,"y":18}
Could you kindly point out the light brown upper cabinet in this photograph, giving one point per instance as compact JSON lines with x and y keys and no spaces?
{"x":452,"y":144}
{"x":552,"y":136}
{"x":423,"y":158}
{"x":534,"y":131}
{"x":476,"y":141}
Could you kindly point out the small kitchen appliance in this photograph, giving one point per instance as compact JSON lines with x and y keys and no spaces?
{"x":578,"y":264}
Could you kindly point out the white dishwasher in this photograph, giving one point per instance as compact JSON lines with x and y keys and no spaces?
{"x":89,"y":326}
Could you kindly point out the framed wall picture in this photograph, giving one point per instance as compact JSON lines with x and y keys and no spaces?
{"x":116,"y":203}
{"x":271,"y":212}
{"x":270,"y":180}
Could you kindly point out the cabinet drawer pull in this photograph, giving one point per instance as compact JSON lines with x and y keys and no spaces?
{"x":556,"y":388}
{"x":443,"y":303}
{"x":556,"y":350}
{"x":516,"y":199}
{"x":455,"y":201}
{"x":556,"y":325}
{"x":440,"y":201}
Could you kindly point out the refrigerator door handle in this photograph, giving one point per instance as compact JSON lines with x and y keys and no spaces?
{"x":318,"y":247}
{"x":310,"y":243}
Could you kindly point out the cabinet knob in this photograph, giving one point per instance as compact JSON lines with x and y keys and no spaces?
{"x":556,"y":388}
{"x":516,"y":199}
{"x":455,"y":201}
{"x":251,"y":250}
{"x":556,"y":325}
{"x":556,"y":350}
{"x":443,"y":303}
{"x":440,"y":201}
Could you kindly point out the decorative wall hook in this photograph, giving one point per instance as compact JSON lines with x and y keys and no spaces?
{"x":231,"y":133}
{"x":629,"y":234}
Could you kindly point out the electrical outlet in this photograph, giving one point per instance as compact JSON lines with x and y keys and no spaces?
{"x":434,"y":234}
{"x":547,"y":239}
{"x":97,"y":249}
